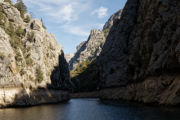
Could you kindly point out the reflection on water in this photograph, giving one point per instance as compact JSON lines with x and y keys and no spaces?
{"x":90,"y":109}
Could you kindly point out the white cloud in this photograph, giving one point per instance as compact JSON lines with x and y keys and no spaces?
{"x":60,"y":10}
{"x":63,"y":14}
{"x":67,"y":14}
{"x":101,"y":12}
{"x":75,"y":30}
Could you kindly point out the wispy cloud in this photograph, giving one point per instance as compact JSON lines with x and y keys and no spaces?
{"x":63,"y":14}
{"x":61,"y":10}
{"x":101,"y":12}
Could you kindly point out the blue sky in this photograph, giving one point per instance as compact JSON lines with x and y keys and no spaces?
{"x":70,"y":21}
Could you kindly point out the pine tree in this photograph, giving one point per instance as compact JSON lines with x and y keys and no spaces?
{"x":21,"y":7}
{"x":43,"y":24}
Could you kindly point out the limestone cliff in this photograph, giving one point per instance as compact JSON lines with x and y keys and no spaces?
{"x":88,"y":50}
{"x":28,"y":54}
{"x":84,"y":69}
{"x":141,"y":56}
{"x":116,"y":16}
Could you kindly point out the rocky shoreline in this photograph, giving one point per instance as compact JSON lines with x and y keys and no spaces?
{"x":152,"y":90}
{"x":22,"y":97}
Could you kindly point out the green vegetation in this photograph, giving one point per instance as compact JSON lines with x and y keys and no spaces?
{"x":85,"y":77}
{"x":29,"y":61}
{"x":21,"y":7}
{"x":22,"y":72}
{"x":2,"y":56}
{"x":31,"y":37}
{"x":80,"y":68}
{"x":106,"y":32}
{"x":31,"y":78}
{"x":20,"y":32}
{"x":39,"y":75}
{"x":27,"y":19}
{"x":2,"y":18}
{"x":18,"y":56}
{"x":28,"y":48}
{"x":43,"y":24}
{"x":16,"y":34}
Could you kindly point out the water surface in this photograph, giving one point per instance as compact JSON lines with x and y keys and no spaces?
{"x":90,"y":109}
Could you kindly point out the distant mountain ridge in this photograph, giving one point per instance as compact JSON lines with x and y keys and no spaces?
{"x":90,"y":49}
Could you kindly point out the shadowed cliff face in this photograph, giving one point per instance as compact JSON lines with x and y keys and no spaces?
{"x":60,"y":75}
{"x":141,"y":55}
{"x":144,"y":42}
{"x":113,"y":58}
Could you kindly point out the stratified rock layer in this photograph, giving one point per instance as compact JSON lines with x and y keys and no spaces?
{"x":141,"y":55}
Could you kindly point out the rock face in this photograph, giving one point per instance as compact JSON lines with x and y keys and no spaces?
{"x":89,"y":49}
{"x":84,"y":70}
{"x":112,"y":19}
{"x":28,"y":54}
{"x":141,"y":55}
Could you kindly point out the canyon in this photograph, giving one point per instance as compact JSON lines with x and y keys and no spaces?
{"x":135,"y":57}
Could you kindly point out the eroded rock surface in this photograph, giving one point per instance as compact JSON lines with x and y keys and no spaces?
{"x":89,"y":49}
{"x":28,"y":55}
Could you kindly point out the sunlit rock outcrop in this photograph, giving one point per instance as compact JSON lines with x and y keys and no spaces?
{"x":89,"y":49}
{"x":28,"y":58}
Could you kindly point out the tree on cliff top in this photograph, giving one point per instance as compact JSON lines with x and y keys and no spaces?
{"x":21,"y":7}
{"x":43,"y":24}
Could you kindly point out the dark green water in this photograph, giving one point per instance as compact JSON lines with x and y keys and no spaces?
{"x":90,"y":109}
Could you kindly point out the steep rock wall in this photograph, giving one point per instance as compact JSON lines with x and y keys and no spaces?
{"x":28,"y":55}
{"x":141,"y":54}
{"x":89,"y":49}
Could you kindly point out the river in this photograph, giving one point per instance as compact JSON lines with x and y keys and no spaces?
{"x":90,"y":109}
